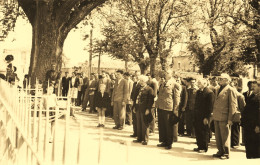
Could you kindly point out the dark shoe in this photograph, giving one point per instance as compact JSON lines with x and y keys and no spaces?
{"x":115,"y":127}
{"x":216,"y":155}
{"x":202,"y":151}
{"x":102,"y":125}
{"x":120,"y":128}
{"x":224,"y":157}
{"x":133,"y":135}
{"x":144,"y":143}
{"x":235,"y":147}
{"x":161,"y":145}
{"x":137,"y":141}
{"x":181,"y":135}
{"x":242,"y":144}
{"x":196,"y":149}
{"x":168,"y":147}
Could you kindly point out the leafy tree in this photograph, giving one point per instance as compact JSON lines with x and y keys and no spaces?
{"x":157,"y":23}
{"x":51,"y":22}
{"x":123,"y":42}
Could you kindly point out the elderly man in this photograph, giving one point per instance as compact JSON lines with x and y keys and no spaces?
{"x":119,"y":100}
{"x":167,"y":104}
{"x":250,"y":121}
{"x":203,"y":109}
{"x":224,"y":108}
{"x":144,"y":102}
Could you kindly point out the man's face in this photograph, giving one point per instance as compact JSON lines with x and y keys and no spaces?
{"x":255,"y":88}
{"x":53,"y":66}
{"x":192,"y":83}
{"x":213,"y":82}
{"x":66,"y":74}
{"x":118,"y":75}
{"x":200,"y":85}
{"x":223,"y":81}
{"x":92,"y":77}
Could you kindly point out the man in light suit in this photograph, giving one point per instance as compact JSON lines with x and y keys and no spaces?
{"x":129,"y":103}
{"x":224,"y":108}
{"x":119,"y":100}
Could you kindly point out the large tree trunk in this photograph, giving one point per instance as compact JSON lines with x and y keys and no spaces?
{"x":143,"y":68}
{"x":47,"y":44}
{"x":152,"y":66}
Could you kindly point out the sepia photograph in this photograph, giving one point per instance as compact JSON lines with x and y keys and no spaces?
{"x":137,"y":82}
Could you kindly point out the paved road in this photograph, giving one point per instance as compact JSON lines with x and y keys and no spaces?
{"x":111,"y":146}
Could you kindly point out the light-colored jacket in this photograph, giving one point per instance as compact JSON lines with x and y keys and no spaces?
{"x":120,"y":92}
{"x":225,"y":104}
{"x":169,"y":96}
{"x":130,"y":88}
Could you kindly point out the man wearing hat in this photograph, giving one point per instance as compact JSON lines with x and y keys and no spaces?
{"x":224,"y":108}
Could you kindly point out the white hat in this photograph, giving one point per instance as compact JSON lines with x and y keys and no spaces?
{"x":225,"y":75}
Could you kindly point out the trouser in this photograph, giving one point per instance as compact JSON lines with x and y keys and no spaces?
{"x":252,"y":143}
{"x":119,"y":113}
{"x":79,"y":98}
{"x":109,"y":111}
{"x":202,"y":134}
{"x":152,"y":124}
{"x":181,"y":123}
{"x":222,"y":135}
{"x":190,"y":123}
{"x":129,"y":119}
{"x":65,"y":92}
{"x":85,"y":100}
{"x":91,"y":103}
{"x":235,"y":134}
{"x":165,"y":128}
{"x":134,"y":120}
{"x":142,"y":128}
{"x":243,"y":135}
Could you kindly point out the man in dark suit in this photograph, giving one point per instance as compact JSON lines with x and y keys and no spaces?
{"x":182,"y":107}
{"x":90,"y":94}
{"x":134,"y":94}
{"x":250,"y":121}
{"x":65,"y":84}
{"x":119,"y":100}
{"x":203,"y":109}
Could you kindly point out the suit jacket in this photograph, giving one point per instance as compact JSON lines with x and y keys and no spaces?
{"x":191,"y":99}
{"x":105,"y":81}
{"x":169,"y":96}
{"x":184,"y":98}
{"x":146,"y":98}
{"x":135,"y":92}
{"x":240,"y":102}
{"x":204,"y":104}
{"x":65,"y":82}
{"x":120,"y":92}
{"x":130,"y":88}
{"x":248,"y":97}
{"x":76,"y":83}
{"x":225,"y":104}
{"x":251,"y":115}
{"x":93,"y":85}
{"x":102,"y":101}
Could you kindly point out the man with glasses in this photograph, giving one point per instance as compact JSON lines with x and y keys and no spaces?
{"x":224,"y":108}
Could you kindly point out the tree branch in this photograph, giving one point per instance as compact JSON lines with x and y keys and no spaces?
{"x":79,"y":14}
{"x":29,"y":8}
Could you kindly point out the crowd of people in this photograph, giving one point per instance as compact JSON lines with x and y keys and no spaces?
{"x":183,"y":106}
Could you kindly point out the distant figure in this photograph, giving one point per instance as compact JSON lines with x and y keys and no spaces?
{"x":102,"y":102}
{"x":52,"y":76}
{"x":119,"y":100}
{"x":65,"y":84}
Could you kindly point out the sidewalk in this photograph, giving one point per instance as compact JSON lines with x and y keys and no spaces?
{"x":111,"y":146}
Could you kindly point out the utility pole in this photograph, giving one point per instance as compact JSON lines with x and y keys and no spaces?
{"x":99,"y":59}
{"x":90,"y":50}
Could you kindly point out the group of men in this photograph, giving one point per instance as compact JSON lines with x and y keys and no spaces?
{"x":200,"y":105}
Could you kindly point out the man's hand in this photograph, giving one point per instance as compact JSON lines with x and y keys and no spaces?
{"x":123,"y":103}
{"x":257,"y":129}
{"x":134,"y":110}
{"x":147,"y":112}
{"x":183,"y":109}
{"x":229,"y":122}
{"x":112,"y":103}
{"x":205,"y":121}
